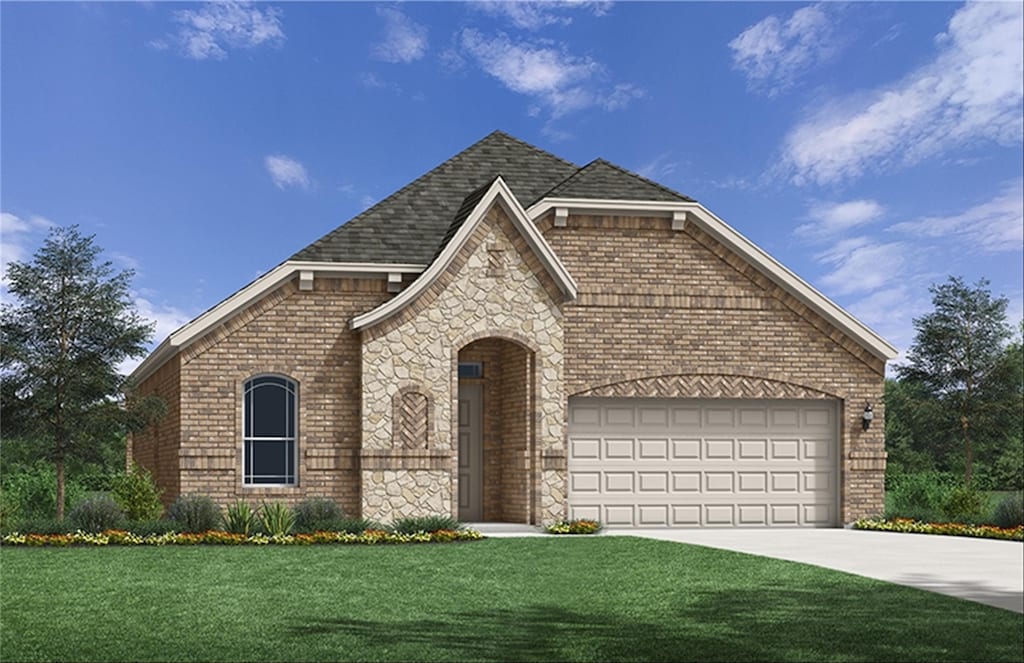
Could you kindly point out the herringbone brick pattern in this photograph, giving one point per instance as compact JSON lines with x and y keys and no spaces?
{"x":704,"y":386}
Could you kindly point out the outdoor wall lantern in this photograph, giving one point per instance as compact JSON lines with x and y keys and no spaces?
{"x":869,"y":416}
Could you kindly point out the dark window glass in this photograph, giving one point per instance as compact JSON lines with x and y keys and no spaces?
{"x":472,"y":369}
{"x":269,"y":435}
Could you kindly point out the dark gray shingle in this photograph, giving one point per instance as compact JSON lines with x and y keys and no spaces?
{"x":415,"y":222}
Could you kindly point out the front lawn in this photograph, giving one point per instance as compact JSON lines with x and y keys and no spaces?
{"x":604,"y":598}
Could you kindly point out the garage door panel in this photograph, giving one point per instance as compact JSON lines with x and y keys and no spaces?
{"x":752,"y":482}
{"x":718,"y":449}
{"x":585,"y":482}
{"x":686,"y":482}
{"x":653,"y":449}
{"x":686,"y":449}
{"x":618,"y":449}
{"x":752,"y":449}
{"x":652,"y":482}
{"x":619,"y":515}
{"x":713,"y":463}
{"x":584,"y":448}
{"x":752,"y":514}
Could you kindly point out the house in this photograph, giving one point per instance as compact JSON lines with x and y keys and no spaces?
{"x":512,"y":337}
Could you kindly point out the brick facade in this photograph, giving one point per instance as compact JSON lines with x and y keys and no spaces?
{"x":660,"y":313}
{"x":678,"y":305}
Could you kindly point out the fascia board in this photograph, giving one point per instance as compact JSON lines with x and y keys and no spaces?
{"x":183,"y":336}
{"x":722,"y":231}
{"x":498,"y":191}
{"x":638,"y":207}
{"x":547,"y":255}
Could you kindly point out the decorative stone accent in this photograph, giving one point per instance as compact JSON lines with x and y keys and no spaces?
{"x":411,"y":419}
{"x":422,"y":343}
{"x":392,"y":494}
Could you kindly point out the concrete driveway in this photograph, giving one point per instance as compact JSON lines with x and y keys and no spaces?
{"x":982,"y":570}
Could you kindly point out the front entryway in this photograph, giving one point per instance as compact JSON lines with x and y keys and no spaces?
{"x":495,"y":427}
{"x":471,"y":448}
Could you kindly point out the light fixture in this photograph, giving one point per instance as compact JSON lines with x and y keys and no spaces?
{"x":868,"y":417}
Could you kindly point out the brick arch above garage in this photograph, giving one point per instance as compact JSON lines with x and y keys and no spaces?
{"x":705,"y":385}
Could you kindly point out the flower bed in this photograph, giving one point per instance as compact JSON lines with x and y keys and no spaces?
{"x":574,"y":527}
{"x":217,"y":537}
{"x":950,"y":529}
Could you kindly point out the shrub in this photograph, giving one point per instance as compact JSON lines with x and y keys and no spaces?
{"x":964,"y":504}
{"x":277,"y":519}
{"x":574,"y":527}
{"x":44,"y":525}
{"x":95,"y":514}
{"x":240,"y":518}
{"x":33,"y":491}
{"x":145,"y":528}
{"x":414,"y":524}
{"x":8,"y":511}
{"x":355,"y":525}
{"x":921,"y":496}
{"x":137,"y":494}
{"x":194,"y":513}
{"x":318,"y":514}
{"x":1010,"y":511}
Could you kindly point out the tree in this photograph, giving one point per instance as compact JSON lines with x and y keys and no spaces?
{"x":959,"y":360}
{"x":60,"y":344}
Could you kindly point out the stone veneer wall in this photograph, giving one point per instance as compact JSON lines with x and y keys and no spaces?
{"x":304,"y":335}
{"x":495,"y":287}
{"x":156,"y":447}
{"x":657,"y":302}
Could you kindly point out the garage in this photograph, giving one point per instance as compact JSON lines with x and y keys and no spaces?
{"x":643,"y":462}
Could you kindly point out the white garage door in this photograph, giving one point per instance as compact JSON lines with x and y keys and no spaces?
{"x":639,"y":462}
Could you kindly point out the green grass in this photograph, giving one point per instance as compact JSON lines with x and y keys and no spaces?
{"x":603,"y":598}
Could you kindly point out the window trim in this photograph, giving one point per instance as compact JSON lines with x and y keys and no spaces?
{"x":291,"y":387}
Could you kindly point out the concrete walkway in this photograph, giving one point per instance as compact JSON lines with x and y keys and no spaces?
{"x":982,"y":570}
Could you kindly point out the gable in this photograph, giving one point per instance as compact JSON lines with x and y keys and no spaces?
{"x":477,"y":204}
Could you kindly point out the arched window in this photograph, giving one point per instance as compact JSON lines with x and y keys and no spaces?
{"x":269,"y":413}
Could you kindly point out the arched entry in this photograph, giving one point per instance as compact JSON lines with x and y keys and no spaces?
{"x":495,"y":431}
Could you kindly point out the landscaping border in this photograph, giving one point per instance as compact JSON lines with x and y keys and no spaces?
{"x":219,"y":537}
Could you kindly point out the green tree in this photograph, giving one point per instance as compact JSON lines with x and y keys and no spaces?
{"x":959,"y":361}
{"x":61,"y":341}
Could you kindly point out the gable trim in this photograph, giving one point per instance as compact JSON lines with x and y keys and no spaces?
{"x":497,"y":193}
{"x":694,"y":212}
{"x":198,"y":327}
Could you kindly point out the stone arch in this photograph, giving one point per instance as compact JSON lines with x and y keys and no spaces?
{"x":706,"y":385}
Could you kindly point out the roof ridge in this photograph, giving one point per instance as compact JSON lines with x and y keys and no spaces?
{"x":449,"y":161}
{"x":639,"y":177}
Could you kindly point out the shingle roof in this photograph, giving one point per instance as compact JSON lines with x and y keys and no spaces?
{"x":414,"y":223}
{"x":603,"y":180}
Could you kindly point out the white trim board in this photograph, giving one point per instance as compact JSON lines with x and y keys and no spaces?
{"x":192,"y":331}
{"x":497,"y":193}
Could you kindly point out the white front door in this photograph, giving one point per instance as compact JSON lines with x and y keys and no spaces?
{"x":471,"y":451}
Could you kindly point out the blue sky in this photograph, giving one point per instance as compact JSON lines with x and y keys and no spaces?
{"x":873,"y":148}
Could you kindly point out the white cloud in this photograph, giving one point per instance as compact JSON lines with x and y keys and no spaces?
{"x":993,"y":226}
{"x":536,"y":15}
{"x":17,"y":236}
{"x":859,"y":264}
{"x":972,"y":91}
{"x":773,"y":52}
{"x":208,"y":32}
{"x":286,"y":171}
{"x":559,"y":81}
{"x":404,"y":40}
{"x":829,"y":219}
{"x":167,"y":319}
